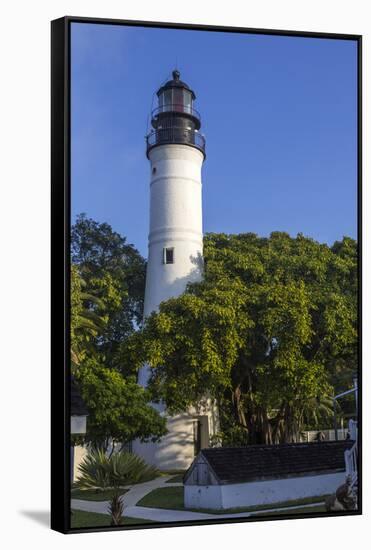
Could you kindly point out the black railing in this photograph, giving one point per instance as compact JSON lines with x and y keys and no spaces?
{"x":176,"y":108}
{"x":176,"y":135}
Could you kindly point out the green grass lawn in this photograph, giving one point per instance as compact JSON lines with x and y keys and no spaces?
{"x":172,"y":498}
{"x":176,"y":479}
{"x":93,"y":494}
{"x":80,"y":519}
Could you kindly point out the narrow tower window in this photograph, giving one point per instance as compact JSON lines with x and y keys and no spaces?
{"x":168,"y":255}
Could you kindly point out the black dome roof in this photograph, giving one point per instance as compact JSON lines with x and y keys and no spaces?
{"x":176,"y":83}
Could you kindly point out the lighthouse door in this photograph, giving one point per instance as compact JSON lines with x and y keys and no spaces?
{"x":196,"y":436}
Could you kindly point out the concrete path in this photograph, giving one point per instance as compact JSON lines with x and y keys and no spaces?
{"x":137,"y":492}
{"x":153,"y":514}
{"x":162,"y":515}
{"x":129,"y":499}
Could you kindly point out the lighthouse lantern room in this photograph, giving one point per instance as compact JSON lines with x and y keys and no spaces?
{"x":175,"y":120}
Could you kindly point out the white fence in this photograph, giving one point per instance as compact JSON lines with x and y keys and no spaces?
{"x":353,"y":430}
{"x":328,"y":435}
{"x":351,"y":464}
{"x":351,"y":456}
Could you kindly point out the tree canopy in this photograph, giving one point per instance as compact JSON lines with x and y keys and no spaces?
{"x":114,"y":273}
{"x":107,"y":288}
{"x":119,"y":409}
{"x":270,"y":332}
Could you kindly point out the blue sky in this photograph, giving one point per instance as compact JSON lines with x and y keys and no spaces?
{"x":279,"y":115}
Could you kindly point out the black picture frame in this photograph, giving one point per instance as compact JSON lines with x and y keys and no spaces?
{"x":60,"y":262}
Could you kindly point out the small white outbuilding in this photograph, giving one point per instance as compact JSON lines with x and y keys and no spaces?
{"x":231,"y":477}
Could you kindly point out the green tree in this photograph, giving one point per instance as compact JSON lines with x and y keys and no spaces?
{"x":268,"y":333}
{"x":107,"y":287}
{"x":85,"y":323}
{"x":119,"y":409}
{"x":114,"y":272}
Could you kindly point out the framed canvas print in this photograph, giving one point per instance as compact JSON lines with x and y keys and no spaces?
{"x":206,"y":202}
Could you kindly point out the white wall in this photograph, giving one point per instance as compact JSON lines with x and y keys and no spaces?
{"x":203,"y":496}
{"x":79,"y":453}
{"x":261,"y":492}
{"x":175,"y":451}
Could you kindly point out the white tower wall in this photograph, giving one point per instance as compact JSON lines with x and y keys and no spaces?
{"x":175,"y":222}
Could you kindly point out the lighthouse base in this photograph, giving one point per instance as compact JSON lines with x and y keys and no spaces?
{"x":188,"y":433}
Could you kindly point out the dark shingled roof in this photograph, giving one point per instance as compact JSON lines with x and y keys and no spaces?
{"x":239,"y":464}
{"x":78,"y":407}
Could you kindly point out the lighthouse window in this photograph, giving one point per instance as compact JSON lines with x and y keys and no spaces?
{"x":178,"y":99}
{"x":167,"y":100}
{"x":187,"y":101}
{"x":168,"y":255}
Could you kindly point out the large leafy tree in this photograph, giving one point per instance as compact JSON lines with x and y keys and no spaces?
{"x":269,"y":333}
{"x":107,"y":287}
{"x":119,"y":409}
{"x":114,"y":272}
{"x":85,"y":323}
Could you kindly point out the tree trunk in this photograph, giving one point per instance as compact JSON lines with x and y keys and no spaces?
{"x":237,"y":406}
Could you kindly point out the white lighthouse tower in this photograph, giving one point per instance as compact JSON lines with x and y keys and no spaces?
{"x":176,"y":151}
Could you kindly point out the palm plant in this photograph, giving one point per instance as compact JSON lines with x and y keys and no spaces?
{"x":85,"y":322}
{"x":93,"y":472}
{"x":99,"y":471}
{"x":317,"y":410}
{"x":116,"y":509}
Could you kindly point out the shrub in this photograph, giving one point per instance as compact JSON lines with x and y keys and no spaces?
{"x":100,"y":471}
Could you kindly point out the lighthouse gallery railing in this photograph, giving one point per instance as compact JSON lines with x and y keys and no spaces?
{"x":176,"y":135}
{"x":175,"y":108}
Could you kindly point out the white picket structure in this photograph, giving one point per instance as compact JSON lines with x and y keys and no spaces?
{"x":353,"y":429}
{"x":309,"y":436}
{"x":351,"y":455}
